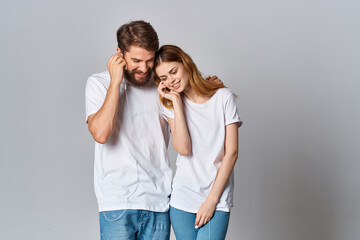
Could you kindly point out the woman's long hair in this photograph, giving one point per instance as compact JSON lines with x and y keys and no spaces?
{"x":171,"y":53}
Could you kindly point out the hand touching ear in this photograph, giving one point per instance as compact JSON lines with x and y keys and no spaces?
{"x":116,"y":66}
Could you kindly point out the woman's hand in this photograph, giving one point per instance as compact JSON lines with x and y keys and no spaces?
{"x":168,"y":94}
{"x":205,"y":213}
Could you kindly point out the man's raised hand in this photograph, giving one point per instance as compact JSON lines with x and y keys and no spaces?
{"x":116,"y":66}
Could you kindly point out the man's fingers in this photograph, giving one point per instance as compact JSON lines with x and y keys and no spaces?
{"x":118,"y":60}
{"x":113,"y":58}
{"x":110,"y":61}
{"x":122,"y":62}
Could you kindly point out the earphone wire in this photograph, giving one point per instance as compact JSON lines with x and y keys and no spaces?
{"x":132,"y":143}
{"x":137,"y":164}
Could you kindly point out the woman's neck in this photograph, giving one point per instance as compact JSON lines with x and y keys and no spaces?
{"x":194,"y":97}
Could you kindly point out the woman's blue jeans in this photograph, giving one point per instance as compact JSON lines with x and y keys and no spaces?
{"x":184,"y":225}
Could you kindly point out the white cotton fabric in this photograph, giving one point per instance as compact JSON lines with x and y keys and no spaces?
{"x":139,"y":141}
{"x":195,"y":174}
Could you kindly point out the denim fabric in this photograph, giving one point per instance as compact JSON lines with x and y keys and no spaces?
{"x":184,"y":225}
{"x":134,"y":224}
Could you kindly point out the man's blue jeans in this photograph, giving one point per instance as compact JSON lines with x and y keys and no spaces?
{"x":184,"y":225}
{"x":134,"y":224}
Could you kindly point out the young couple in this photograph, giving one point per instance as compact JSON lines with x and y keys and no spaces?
{"x":133,"y":178}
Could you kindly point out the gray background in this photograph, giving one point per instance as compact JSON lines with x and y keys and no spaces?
{"x":293,"y":64}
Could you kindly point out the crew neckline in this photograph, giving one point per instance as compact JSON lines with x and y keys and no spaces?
{"x":202,"y":104}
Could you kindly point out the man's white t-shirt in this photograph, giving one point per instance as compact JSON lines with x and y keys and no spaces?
{"x":195,"y":174}
{"x":132,"y":169}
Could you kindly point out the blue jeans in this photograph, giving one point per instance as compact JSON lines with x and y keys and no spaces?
{"x":184,"y":225}
{"x":134,"y":224}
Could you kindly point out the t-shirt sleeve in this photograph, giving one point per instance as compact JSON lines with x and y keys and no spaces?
{"x":95,"y":94}
{"x":231,"y":111}
{"x":167,"y":112}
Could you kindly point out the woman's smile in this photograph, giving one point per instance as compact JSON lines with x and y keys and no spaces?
{"x":176,"y":85}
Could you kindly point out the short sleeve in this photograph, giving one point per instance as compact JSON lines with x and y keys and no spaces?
{"x":95,"y":94}
{"x":167,"y":112}
{"x":231,"y":112}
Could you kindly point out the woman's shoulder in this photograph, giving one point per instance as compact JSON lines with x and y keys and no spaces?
{"x":225,"y":93}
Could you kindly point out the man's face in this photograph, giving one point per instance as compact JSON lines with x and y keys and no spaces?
{"x":139,"y":64}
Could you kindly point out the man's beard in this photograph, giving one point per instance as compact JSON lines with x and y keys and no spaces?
{"x":130,"y":76}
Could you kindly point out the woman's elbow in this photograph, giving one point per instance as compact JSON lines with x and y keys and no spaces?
{"x":183,"y":150}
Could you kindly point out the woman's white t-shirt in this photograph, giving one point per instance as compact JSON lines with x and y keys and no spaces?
{"x":195,"y":174}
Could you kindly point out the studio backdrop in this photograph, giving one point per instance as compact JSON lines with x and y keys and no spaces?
{"x":294,"y":66}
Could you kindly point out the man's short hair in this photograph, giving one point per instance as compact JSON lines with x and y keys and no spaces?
{"x":138,"y":33}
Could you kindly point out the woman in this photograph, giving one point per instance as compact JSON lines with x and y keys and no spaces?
{"x":204,"y":124}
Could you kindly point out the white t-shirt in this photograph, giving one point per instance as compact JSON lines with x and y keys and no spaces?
{"x":195,"y":174}
{"x":131,"y":169}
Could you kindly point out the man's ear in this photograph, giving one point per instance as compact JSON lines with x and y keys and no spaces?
{"x":118,"y":50}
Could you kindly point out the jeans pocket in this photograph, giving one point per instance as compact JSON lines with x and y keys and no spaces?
{"x":113,"y":216}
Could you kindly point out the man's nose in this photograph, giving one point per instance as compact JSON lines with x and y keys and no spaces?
{"x":142,"y":67}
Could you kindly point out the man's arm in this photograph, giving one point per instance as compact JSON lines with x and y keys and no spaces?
{"x":102,"y":123}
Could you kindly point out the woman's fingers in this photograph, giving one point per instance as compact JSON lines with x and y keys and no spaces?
{"x":161,"y":89}
{"x":197,"y":220}
{"x":201,"y":223}
{"x":201,"y":219}
{"x":174,"y":93}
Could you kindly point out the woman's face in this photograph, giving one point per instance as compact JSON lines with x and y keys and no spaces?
{"x":173,"y":75}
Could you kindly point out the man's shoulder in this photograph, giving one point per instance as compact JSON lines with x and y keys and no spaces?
{"x":102,"y":77}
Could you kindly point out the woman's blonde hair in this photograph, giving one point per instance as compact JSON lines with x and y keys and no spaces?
{"x":171,"y":53}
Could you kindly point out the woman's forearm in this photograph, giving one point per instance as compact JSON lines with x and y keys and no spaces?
{"x":227,"y":164}
{"x":222,"y":177}
{"x":180,"y":133}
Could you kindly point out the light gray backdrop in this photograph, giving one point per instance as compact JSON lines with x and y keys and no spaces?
{"x":293,"y":64}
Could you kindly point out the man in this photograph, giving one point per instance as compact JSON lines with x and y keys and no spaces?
{"x":132,"y":174}
{"x":132,"y":171}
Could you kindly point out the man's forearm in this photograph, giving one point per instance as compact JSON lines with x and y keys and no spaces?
{"x":102,"y":123}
